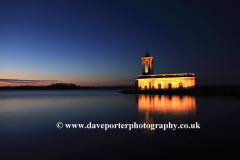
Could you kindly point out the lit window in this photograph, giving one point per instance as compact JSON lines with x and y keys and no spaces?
{"x":146,"y":66}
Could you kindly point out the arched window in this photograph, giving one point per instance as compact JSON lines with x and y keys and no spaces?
{"x":180,"y":85}
{"x":169,"y":86}
{"x":146,"y":66}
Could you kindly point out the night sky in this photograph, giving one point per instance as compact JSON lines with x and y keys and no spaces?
{"x":100,"y":43}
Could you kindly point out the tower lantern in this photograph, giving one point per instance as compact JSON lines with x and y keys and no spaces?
{"x":147,"y":65}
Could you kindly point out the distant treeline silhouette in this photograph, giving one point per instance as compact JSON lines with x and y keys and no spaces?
{"x":62,"y":86}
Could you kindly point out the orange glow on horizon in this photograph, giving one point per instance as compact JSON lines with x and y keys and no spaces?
{"x":90,"y":84}
{"x":23,"y":84}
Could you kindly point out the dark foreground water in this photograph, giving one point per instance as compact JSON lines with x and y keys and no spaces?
{"x":28,"y":126}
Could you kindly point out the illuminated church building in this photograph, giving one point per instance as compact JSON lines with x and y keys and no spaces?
{"x":149,"y":80}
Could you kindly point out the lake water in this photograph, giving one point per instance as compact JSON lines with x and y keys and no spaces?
{"x":28,"y":126}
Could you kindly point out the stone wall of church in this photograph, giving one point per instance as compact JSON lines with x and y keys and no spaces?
{"x":166,"y":83}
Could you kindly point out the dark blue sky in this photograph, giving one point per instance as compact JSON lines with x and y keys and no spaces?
{"x":101,"y":42}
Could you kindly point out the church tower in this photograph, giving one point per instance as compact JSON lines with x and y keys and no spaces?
{"x":147,"y":65}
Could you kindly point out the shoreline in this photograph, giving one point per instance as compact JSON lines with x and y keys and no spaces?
{"x":198,"y":91}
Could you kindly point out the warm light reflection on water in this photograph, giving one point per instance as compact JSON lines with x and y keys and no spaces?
{"x":166,"y":104}
{"x":28,"y":125}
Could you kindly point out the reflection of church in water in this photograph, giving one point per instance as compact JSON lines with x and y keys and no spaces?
{"x":168,"y":106}
{"x":149,"y":80}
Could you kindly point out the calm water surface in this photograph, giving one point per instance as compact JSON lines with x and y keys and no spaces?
{"x":28,"y":126}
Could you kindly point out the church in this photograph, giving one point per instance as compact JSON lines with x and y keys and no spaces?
{"x":148,"y":80}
